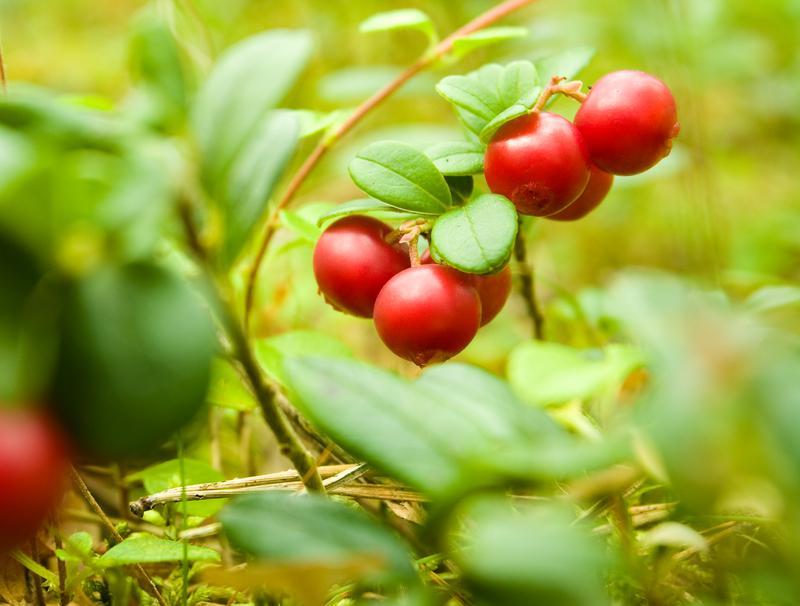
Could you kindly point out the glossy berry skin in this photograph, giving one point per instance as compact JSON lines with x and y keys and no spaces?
{"x":33,"y":473}
{"x":539,"y":162}
{"x":352,"y":262}
{"x":427,"y":314}
{"x":493,"y":289}
{"x":628,"y":121}
{"x":597,"y":189}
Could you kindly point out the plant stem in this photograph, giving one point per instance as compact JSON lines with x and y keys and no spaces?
{"x":266,"y":394}
{"x":528,"y":285}
{"x":425,"y":61}
{"x":87,"y":495}
{"x":63,"y":598}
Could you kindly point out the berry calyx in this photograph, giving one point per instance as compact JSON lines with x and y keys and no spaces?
{"x":628,"y":121}
{"x":353,"y":261}
{"x":427,"y":314}
{"x":597,"y":189}
{"x":493,"y":289}
{"x":33,"y":470}
{"x":538,"y":161}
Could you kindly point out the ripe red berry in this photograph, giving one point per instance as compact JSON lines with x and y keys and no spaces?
{"x":597,"y":189}
{"x":493,"y":289}
{"x":628,"y":121}
{"x":539,"y":162}
{"x":33,"y":469}
{"x":352,"y":262}
{"x":427,"y":314}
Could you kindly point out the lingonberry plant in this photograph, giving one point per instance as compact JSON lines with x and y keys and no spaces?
{"x":648,"y":454}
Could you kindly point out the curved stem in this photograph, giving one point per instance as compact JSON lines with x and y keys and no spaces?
{"x":528,"y":285}
{"x":425,"y":61}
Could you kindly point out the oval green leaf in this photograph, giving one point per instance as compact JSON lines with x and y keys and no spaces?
{"x":364,"y":207}
{"x":478,"y":237}
{"x":457,"y":158}
{"x":401,"y":176}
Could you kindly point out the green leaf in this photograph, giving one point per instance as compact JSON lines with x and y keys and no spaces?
{"x":147,"y":549}
{"x":304,"y":228}
{"x":227,"y":389}
{"x":567,"y":63}
{"x":397,"y":426}
{"x":409,"y":18}
{"x":478,"y":237}
{"x":272,"y":352}
{"x":773,"y":297}
{"x":536,"y":553}
{"x":481,"y":96}
{"x":253,"y":175}
{"x":460,"y":188}
{"x":287,"y":528}
{"x":457,"y":158}
{"x":401,"y":176}
{"x":249,"y":79}
{"x":486,"y":37}
{"x":550,"y":373}
{"x":157,"y":63}
{"x":364,"y":207}
{"x":168,"y":475}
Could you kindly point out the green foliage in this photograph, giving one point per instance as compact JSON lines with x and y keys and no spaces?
{"x":409,"y":18}
{"x":397,"y":425}
{"x":478,"y":237}
{"x":313,"y":529}
{"x":163,"y":476}
{"x":456,"y":158}
{"x":147,"y":549}
{"x":134,"y":358}
{"x":401,"y":176}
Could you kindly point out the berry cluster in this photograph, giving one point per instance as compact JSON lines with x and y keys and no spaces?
{"x":546,"y":165}
{"x":424,"y":313}
{"x":550,"y":167}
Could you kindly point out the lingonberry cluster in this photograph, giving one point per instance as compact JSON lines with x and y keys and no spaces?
{"x":546,"y":165}
{"x":551,"y":167}
{"x":424,"y":312}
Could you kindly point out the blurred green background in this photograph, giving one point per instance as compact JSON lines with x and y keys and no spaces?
{"x":722,"y":208}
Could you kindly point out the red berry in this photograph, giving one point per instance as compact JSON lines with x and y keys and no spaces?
{"x":539,"y":162}
{"x":33,"y":469}
{"x":427,"y":314}
{"x":628,"y":121}
{"x":597,"y":189}
{"x":493,"y":289}
{"x":352,"y":262}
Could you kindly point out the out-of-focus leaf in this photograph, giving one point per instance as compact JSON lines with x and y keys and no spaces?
{"x":227,"y":389}
{"x":567,"y":63}
{"x":351,"y":85}
{"x":147,"y":549}
{"x":550,"y":373}
{"x":254,"y":173}
{"x":273,"y":352}
{"x":535,"y":550}
{"x":486,"y":37}
{"x":478,"y":237}
{"x":306,"y":230}
{"x":398,"y":426}
{"x":249,"y":79}
{"x":287,"y":528}
{"x":407,"y":18}
{"x":156,"y":61}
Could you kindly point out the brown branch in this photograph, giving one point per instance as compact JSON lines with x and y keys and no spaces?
{"x":61,"y":566}
{"x":425,"y":61}
{"x":87,"y":495}
{"x":2,"y":71}
{"x":528,"y":285}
